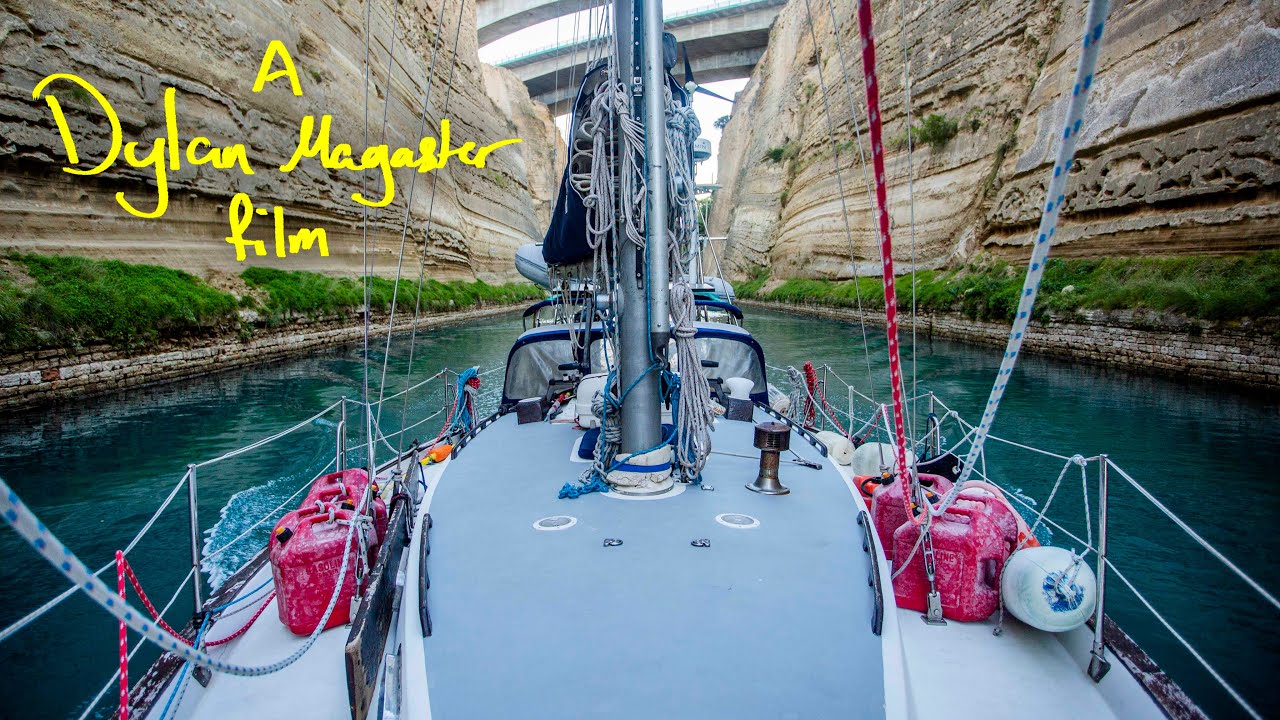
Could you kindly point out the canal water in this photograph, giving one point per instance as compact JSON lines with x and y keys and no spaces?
{"x":95,"y":471}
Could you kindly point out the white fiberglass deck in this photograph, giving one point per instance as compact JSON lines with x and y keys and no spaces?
{"x":768,"y":622}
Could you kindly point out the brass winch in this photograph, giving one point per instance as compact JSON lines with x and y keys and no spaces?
{"x":771,"y":438}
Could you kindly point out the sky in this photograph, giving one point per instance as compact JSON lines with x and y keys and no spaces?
{"x":565,"y":29}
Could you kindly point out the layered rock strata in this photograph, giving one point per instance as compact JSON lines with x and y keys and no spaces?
{"x":1179,"y":151}
{"x":467,"y":221}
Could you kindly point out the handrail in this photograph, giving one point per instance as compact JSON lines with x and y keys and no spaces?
{"x":270,"y":439}
{"x":1178,"y":636}
{"x":111,"y":681}
{"x":1196,"y":536}
{"x":57,"y":600}
{"x":20,"y":624}
{"x":1106,"y":462}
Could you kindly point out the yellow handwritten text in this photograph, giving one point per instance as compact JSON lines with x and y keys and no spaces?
{"x":164,"y":156}
{"x":241,"y":216}
{"x":315,"y":143}
{"x":274,"y":48}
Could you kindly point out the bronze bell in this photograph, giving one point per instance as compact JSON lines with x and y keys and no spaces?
{"x":771,"y":438}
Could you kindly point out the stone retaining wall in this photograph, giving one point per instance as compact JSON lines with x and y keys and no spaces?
{"x":1246,"y":353}
{"x":38,"y":378}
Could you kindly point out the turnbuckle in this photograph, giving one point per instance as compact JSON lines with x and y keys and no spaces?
{"x":933,"y":602}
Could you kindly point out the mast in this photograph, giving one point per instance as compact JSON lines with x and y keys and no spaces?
{"x":643,"y":275}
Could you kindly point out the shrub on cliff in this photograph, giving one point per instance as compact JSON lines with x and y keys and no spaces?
{"x":1208,"y":288}
{"x":935,"y":130}
{"x":70,"y":302}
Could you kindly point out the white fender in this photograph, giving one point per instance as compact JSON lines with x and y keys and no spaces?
{"x":585,"y":395}
{"x":1048,"y":588}
{"x":866,"y":459}
{"x":838,"y":446}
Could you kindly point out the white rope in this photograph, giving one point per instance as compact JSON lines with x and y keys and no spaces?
{"x":694,"y":416}
{"x":1094,"y":21}
{"x":34,"y":615}
{"x":1073,"y":460}
{"x":26,"y":524}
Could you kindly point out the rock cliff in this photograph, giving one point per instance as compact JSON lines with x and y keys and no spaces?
{"x":470,"y":219}
{"x":1180,"y":150}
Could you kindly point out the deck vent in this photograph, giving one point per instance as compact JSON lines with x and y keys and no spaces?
{"x":737,"y":521}
{"x":555,"y":522}
{"x":771,"y":438}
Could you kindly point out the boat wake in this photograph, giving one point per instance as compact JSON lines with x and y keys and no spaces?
{"x":245,"y":522}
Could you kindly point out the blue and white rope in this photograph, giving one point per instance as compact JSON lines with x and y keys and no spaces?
{"x":26,"y":524}
{"x":1095,"y":18}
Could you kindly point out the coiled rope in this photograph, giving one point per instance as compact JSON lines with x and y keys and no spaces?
{"x":694,"y":416}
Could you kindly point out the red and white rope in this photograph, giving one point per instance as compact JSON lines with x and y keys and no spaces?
{"x":886,"y":244}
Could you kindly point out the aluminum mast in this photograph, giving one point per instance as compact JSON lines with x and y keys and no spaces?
{"x":643,"y":275}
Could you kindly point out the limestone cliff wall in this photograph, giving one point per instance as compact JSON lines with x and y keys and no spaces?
{"x":1180,"y":150}
{"x":469,"y":219}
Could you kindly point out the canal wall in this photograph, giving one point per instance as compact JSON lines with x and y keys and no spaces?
{"x":38,"y":378}
{"x":1245,"y":353}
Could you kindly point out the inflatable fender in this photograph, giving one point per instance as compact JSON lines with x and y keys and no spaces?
{"x":838,"y":446}
{"x":588,"y":388}
{"x":1048,"y":588}
{"x":866,"y":459}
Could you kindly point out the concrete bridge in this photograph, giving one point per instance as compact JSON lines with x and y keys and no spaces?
{"x":724,"y":42}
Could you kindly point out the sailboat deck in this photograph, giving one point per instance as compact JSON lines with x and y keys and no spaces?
{"x":771,"y":622}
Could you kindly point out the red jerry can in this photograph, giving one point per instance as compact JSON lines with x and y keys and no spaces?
{"x":888,"y":511}
{"x":307,"y":551}
{"x":969,"y":552}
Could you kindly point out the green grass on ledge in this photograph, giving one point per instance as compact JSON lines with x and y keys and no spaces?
{"x":66,"y":302}
{"x":1206,"y":288}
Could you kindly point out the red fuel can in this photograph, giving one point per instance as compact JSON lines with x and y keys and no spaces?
{"x":969,"y":552}
{"x":307,"y":550}
{"x":888,"y":511}
{"x":347,"y":487}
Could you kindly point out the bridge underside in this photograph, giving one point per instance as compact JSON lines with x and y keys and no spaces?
{"x":558,"y":89}
{"x":723,"y":43}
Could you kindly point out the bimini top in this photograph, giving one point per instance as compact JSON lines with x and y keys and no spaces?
{"x":728,"y":307}
{"x":557,"y":353}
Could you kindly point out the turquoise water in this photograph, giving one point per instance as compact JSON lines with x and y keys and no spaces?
{"x":96,"y":470}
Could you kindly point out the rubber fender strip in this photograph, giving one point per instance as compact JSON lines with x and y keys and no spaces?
{"x":877,"y":613}
{"x":424,"y":580}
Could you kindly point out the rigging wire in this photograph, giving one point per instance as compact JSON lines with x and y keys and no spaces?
{"x":367,"y":262}
{"x":866,"y":181}
{"x":431,"y":205}
{"x":835,"y":159}
{"x":911,"y":205}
